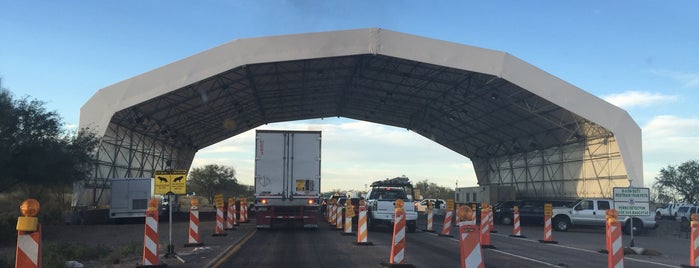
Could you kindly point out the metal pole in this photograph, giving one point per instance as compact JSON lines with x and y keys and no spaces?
{"x":170,"y":246}
{"x":631,"y":244}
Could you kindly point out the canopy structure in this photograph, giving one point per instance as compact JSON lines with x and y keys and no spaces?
{"x":519,"y":125}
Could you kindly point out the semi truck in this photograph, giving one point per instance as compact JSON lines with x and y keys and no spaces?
{"x":287,"y":178}
{"x":129,"y":197}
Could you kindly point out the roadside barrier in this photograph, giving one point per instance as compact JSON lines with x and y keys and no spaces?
{"x":491,"y":220}
{"x":349,"y":214}
{"x":338,"y":219}
{"x":694,"y":242}
{"x":398,"y":242}
{"x":28,"y":252}
{"x":150,"y":237}
{"x":243,"y":211}
{"x":485,"y":227}
{"x":446,"y":228}
{"x":331,"y":211}
{"x":469,"y":240}
{"x":362,"y":230}
{"x":230,"y":216}
{"x":193,"y":236}
{"x":548,"y":231}
{"x":430,"y":217}
{"x":218,"y":231}
{"x":516,"y":227}
{"x":615,"y":248}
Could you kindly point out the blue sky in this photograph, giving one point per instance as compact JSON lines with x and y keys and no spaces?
{"x":640,"y":55}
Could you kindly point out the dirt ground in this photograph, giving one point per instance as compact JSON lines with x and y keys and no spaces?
{"x":129,"y":235}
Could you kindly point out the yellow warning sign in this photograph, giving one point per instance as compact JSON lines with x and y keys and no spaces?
{"x":450,"y":204}
{"x":170,"y":182}
{"x":548,"y":209}
{"x":218,"y":200}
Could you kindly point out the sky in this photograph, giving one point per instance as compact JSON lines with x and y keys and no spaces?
{"x":642,"y":56}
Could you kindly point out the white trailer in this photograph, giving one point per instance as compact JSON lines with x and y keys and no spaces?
{"x":129,"y":197}
{"x":485,"y":194}
{"x":287,"y":178}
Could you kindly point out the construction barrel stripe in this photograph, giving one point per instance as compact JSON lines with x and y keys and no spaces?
{"x":193,"y":227}
{"x":470,"y":248}
{"x":150,"y":239}
{"x":694,"y":253}
{"x":362,"y":232}
{"x":28,"y":249}
{"x":446,"y":228}
{"x":547,"y":229}
{"x":219,"y":220}
{"x":348,"y":224}
{"x":338,"y":220}
{"x":615,"y":248}
{"x":430,"y":216}
{"x":398,"y":245}
{"x":485,"y":229}
{"x":229,"y":217}
{"x":517,"y":228}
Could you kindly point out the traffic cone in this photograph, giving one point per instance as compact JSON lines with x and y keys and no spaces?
{"x":218,"y":230}
{"x":430,"y":217}
{"x":243,"y":211}
{"x":28,"y":252}
{"x":338,"y":219}
{"x":491,"y":222}
{"x":398,"y":244}
{"x":615,"y":248}
{"x":485,"y":228}
{"x":150,"y":238}
{"x":469,"y":240}
{"x":548,"y":232}
{"x":331,"y":213}
{"x":516,"y":227}
{"x":230,"y":216}
{"x":193,"y":237}
{"x":349,"y":214}
{"x":362,"y":230}
{"x":693,"y":243}
{"x":446,"y":227}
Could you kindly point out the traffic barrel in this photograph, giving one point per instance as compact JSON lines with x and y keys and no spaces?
{"x":362,"y":230}
{"x":430,"y":217}
{"x":485,"y":227}
{"x":446,"y":227}
{"x":28,"y":252}
{"x":615,"y":249}
{"x":694,"y":242}
{"x":230,"y":216}
{"x":516,"y":227}
{"x":218,"y":230}
{"x":338,"y":217}
{"x":469,"y":239}
{"x":491,"y":221}
{"x":349,"y":214}
{"x":193,"y":234}
{"x":150,"y":237}
{"x":331,"y":211}
{"x":548,"y":227}
{"x":243,"y":211}
{"x":398,"y":242}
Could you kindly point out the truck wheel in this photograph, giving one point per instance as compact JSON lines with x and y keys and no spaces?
{"x":658,"y":216}
{"x":637,"y":227}
{"x":561,"y":224}
{"x":506,"y":220}
{"x":412,"y":225}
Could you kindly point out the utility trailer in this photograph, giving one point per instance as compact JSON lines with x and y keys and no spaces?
{"x":129,"y":197}
{"x":287,"y":178}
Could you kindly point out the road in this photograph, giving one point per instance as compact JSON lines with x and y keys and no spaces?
{"x":326,"y":247}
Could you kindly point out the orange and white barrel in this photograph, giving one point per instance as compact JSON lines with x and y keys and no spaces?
{"x":28,"y":248}
{"x":694,"y":242}
{"x":348,"y":220}
{"x":615,"y":248}
{"x":446,"y":228}
{"x":331,"y":213}
{"x":430,"y":217}
{"x":398,"y":244}
{"x":362,"y":230}
{"x":218,"y":230}
{"x":469,"y":240}
{"x":193,"y":234}
{"x":485,"y":228}
{"x":338,"y":219}
{"x":150,"y":239}
{"x":516,"y":226}
{"x":491,"y":222}
{"x":230,"y":216}
{"x":548,"y":230}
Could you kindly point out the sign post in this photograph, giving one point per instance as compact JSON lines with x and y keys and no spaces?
{"x":631,"y":201}
{"x":170,"y":183}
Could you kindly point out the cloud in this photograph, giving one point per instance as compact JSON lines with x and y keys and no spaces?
{"x":668,"y":140}
{"x":688,"y":80}
{"x":630,"y":99}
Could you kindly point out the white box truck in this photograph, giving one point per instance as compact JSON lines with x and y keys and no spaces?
{"x":287,"y":178}
{"x":129,"y":197}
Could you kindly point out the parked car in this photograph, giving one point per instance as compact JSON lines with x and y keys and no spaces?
{"x":684,"y":213}
{"x":668,"y":210}
{"x":436,"y":203}
{"x":530,"y":211}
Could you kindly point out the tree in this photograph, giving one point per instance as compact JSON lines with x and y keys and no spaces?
{"x":681,"y":181}
{"x":35,"y":152}
{"x":214,"y":179}
{"x":432,"y":190}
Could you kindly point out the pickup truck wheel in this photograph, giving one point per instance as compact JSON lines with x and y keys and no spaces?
{"x":561,"y":224}
{"x":506,"y":219}
{"x":637,"y":227}
{"x":658,"y":216}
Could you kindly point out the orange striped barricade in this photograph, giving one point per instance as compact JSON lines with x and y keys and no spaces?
{"x":430,"y":217}
{"x":485,"y":228}
{"x":362,"y":230}
{"x":28,"y":252}
{"x":193,"y":236}
{"x":338,"y":217}
{"x":694,"y":242}
{"x":615,"y":248}
{"x":548,"y":228}
{"x":230,"y":215}
{"x":218,"y":230}
{"x":331,"y":211}
{"x":469,"y":240}
{"x":491,"y":218}
{"x":446,"y":227}
{"x":516,"y":227}
{"x":398,"y":244}
{"x":150,"y":237}
{"x":244,"y":211}
{"x":349,"y":214}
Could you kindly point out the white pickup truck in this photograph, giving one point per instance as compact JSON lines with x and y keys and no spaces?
{"x":592,"y":212}
{"x":668,"y":211}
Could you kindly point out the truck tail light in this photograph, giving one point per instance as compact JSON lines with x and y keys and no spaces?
{"x":310,"y":201}
{"x":264,"y":201}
